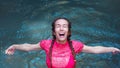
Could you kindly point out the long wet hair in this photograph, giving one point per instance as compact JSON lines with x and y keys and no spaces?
{"x":54,"y":38}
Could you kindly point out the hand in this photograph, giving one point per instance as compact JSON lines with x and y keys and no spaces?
{"x":115,"y":50}
{"x":10,"y":50}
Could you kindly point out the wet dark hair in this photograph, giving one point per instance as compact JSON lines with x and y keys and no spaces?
{"x":68,"y":38}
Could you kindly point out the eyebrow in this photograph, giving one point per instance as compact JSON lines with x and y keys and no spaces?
{"x":62,"y":24}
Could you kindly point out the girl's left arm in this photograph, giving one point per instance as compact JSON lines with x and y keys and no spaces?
{"x":100,"y":49}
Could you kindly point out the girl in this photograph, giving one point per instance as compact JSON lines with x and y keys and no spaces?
{"x":60,"y":51}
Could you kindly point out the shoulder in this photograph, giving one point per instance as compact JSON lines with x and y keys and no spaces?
{"x":77,"y":45}
{"x":74,"y":42}
{"x":45,"y":43}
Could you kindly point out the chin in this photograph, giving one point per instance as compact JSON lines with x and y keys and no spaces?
{"x":62,"y":39}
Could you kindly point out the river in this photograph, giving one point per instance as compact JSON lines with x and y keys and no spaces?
{"x":94,"y":22}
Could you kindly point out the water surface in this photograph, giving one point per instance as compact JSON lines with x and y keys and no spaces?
{"x":94,"y":23}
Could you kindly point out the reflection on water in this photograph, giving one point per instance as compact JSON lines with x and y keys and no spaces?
{"x":93,"y":22}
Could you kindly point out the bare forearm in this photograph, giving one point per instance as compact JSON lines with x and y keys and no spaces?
{"x":100,"y":49}
{"x":23,"y":47}
{"x":26,"y":47}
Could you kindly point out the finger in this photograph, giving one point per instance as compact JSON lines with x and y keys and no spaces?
{"x":6,"y":51}
{"x":9,"y":53}
{"x":116,"y":52}
{"x":12,"y":52}
{"x":119,"y":50}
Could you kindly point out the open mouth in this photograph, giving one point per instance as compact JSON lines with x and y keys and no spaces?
{"x":61,"y":35}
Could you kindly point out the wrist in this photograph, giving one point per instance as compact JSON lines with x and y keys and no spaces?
{"x":113,"y":49}
{"x":14,"y":46}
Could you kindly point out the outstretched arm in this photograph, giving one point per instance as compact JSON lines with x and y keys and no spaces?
{"x":100,"y":49}
{"x":24,"y":47}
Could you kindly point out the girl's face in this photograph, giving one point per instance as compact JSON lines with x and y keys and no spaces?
{"x":61,"y":30}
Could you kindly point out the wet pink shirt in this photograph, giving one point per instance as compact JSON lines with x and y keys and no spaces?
{"x":61,"y":53}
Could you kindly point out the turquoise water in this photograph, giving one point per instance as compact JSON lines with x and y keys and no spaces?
{"x":94,"y":22}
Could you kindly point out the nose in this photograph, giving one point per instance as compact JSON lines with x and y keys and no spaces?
{"x":61,"y":28}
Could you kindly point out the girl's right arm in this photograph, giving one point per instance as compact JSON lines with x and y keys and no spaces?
{"x":24,"y":47}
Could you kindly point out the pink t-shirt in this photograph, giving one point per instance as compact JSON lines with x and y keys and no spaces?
{"x":61,"y":53}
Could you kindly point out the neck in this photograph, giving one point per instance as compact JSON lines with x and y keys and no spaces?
{"x":61,"y":42}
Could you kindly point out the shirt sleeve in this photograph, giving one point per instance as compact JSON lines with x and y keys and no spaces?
{"x":78,"y":46}
{"x":45,"y":44}
{"x":42,"y":44}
